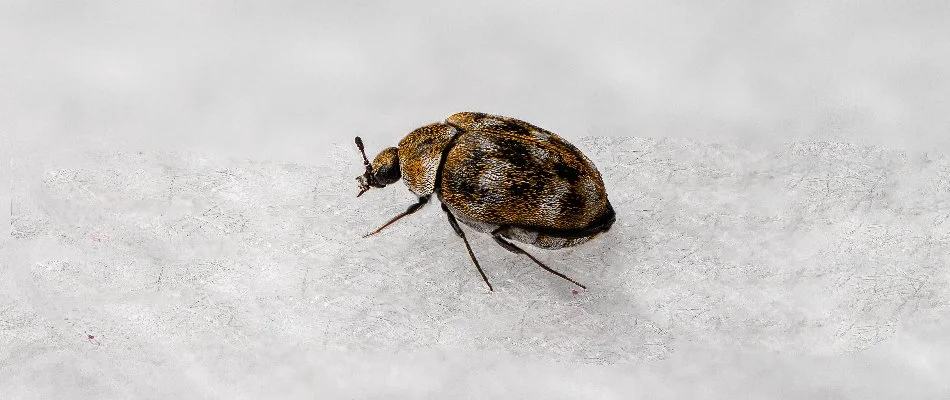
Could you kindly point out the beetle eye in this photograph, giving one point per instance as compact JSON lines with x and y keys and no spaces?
{"x":388,"y":174}
{"x":386,"y":167}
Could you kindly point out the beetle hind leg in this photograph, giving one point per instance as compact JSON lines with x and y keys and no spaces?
{"x":461,"y":234}
{"x":496,"y":234}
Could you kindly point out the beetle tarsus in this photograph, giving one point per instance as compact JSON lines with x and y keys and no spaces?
{"x":413,"y":208}
{"x":517,"y":250}
{"x":461,"y":234}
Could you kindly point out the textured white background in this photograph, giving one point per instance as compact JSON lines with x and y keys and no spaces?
{"x":177,"y":181}
{"x":805,"y":271}
{"x":279,"y":79}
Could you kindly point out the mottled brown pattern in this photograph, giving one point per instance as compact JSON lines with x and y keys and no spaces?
{"x":476,"y":121}
{"x":502,"y":176}
{"x":420,"y":153}
{"x":495,"y":175}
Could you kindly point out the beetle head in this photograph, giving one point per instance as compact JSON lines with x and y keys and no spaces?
{"x":383,"y":171}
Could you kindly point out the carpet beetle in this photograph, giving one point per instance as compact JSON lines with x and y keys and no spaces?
{"x":501,"y":176}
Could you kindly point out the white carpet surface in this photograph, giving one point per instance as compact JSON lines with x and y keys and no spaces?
{"x":810,"y":270}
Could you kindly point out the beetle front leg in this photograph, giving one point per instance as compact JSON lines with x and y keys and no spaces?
{"x":461,"y":234}
{"x":496,"y":234}
{"x":413,"y":208}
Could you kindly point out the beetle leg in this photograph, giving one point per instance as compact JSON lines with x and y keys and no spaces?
{"x":458,"y":231}
{"x":517,"y":250}
{"x":413,"y":208}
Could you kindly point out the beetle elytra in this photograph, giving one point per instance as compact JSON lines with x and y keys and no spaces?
{"x":501,"y":176}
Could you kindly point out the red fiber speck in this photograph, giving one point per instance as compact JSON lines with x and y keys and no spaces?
{"x":92,"y":339}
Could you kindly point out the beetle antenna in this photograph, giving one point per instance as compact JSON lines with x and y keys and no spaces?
{"x":359,"y":145}
{"x":368,"y":175}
